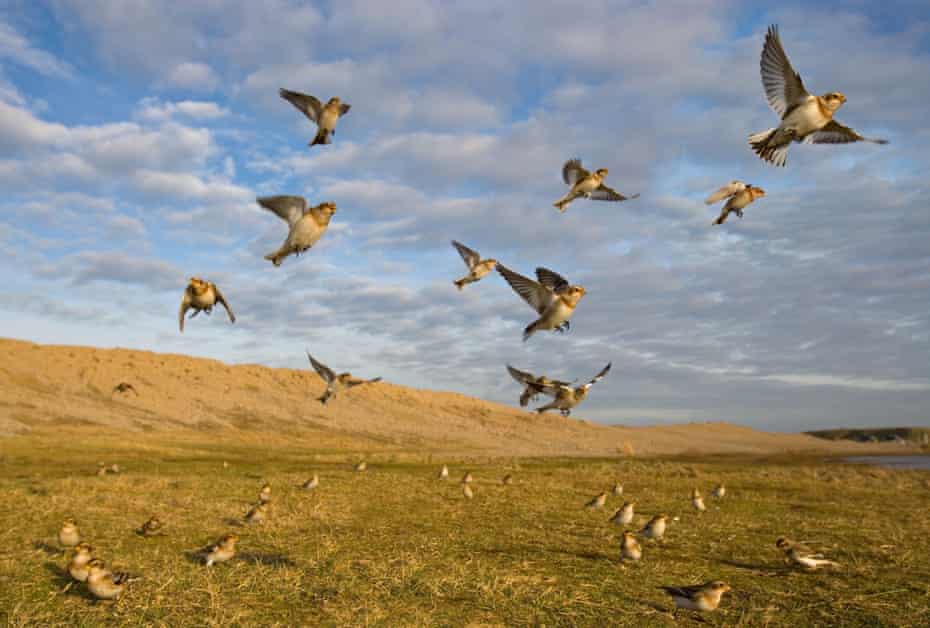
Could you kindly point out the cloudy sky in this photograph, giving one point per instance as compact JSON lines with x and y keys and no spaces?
{"x":135,"y":136}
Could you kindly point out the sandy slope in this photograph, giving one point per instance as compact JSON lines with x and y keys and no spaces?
{"x":46,"y":387}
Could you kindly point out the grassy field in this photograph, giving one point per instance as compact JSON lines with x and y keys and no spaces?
{"x":396,"y":546}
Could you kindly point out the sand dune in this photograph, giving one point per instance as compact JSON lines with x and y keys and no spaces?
{"x":69,"y":387}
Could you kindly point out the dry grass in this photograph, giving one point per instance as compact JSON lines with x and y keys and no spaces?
{"x":395,"y":546}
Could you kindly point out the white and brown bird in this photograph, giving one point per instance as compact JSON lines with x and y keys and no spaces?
{"x":697,"y":501}
{"x":586,"y":184}
{"x":508,"y":480}
{"x":312,"y":483}
{"x":153,"y":527}
{"x":618,"y":489}
{"x":798,"y":554}
{"x":221,"y":551}
{"x":306,"y":225}
{"x":623,"y":515}
{"x":361,"y":466}
{"x":201,"y":296}
{"x":334,"y":382}
{"x":77,"y":566}
{"x":597,"y":501}
{"x":467,"y":478}
{"x":68,"y":534}
{"x":467,"y":491}
{"x":105,"y":584}
{"x":533,"y":385}
{"x":655,"y":528}
{"x":804,"y":117}
{"x":552,"y":297}
{"x":257,"y":513}
{"x":477,"y":267}
{"x":567,"y":397}
{"x":324,"y":116}
{"x":700,"y":597}
{"x":719,"y":492}
{"x":444,"y":473}
{"x":630,"y":549}
{"x":738,"y":195}
{"x":264,"y":495}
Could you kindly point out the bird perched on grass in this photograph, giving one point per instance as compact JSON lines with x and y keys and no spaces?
{"x":552,"y":297}
{"x":719,"y":492}
{"x":597,"y":502}
{"x":335,"y":383}
{"x":477,"y":267}
{"x":264,"y":495}
{"x":655,"y":528}
{"x":630,"y":549}
{"x":77,"y":566}
{"x":105,"y":584}
{"x":223,"y":550}
{"x":467,"y":491}
{"x":467,"y":478}
{"x":306,"y":225}
{"x":68,"y":534}
{"x":444,"y":473}
{"x":586,"y":184}
{"x":738,"y":195}
{"x":114,"y":469}
{"x":153,"y":527}
{"x":361,"y":466}
{"x":567,"y":397}
{"x":802,"y":556}
{"x":618,"y":489}
{"x":124,"y":387}
{"x":533,"y":385}
{"x":312,"y":483}
{"x":324,"y":116}
{"x":804,"y":117}
{"x":701,"y":597}
{"x":102,"y":469}
{"x":201,"y":296}
{"x":624,"y":515}
{"x":256,"y":513}
{"x":508,"y":480}
{"x":697,"y":501}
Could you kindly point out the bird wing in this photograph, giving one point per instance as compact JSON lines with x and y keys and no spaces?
{"x":731,"y":188}
{"x":522,"y":377}
{"x":688,"y":592}
{"x":605,"y":193}
{"x":598,"y":377}
{"x":784,"y":89}
{"x":552,"y":280}
{"x":289,"y":208}
{"x":344,"y":109}
{"x":185,"y":305}
{"x":835,"y":133}
{"x":309,"y":105}
{"x":221,"y":299}
{"x":572,"y":172}
{"x":535,"y":294}
{"x":324,"y":371}
{"x":470,"y":257}
{"x":358,"y":382}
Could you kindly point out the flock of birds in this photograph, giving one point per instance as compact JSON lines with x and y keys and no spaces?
{"x":804,"y":118}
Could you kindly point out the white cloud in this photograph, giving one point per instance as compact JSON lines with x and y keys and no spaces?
{"x":198,"y":77}
{"x":153,"y":110}
{"x":17,"y":48}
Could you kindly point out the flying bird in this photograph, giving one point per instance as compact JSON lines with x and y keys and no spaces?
{"x":738,"y":195}
{"x":306,"y":225}
{"x":552,"y":297}
{"x":335,"y":383}
{"x":477,"y":267}
{"x":533,"y":385}
{"x":567,"y":397}
{"x":586,"y":184}
{"x":701,"y":597}
{"x":124,"y":387}
{"x":804,"y":117}
{"x":201,"y":296}
{"x":324,"y":116}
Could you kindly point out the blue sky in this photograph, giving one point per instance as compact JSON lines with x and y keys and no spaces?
{"x":134,"y":137}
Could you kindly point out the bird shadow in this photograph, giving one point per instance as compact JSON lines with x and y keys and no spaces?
{"x":65,"y":583}
{"x":47,"y":548}
{"x":236,"y":523}
{"x":770,"y":569}
{"x":198,"y":557}
{"x":265,"y":558}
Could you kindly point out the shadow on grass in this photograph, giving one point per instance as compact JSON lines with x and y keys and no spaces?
{"x":762,"y":569}
{"x":232,"y":521}
{"x":263,"y":558}
{"x":67,"y":585}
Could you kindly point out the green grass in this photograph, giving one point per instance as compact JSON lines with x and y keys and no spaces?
{"x":395,"y":546}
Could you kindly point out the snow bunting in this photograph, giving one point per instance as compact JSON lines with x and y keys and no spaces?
{"x":335,"y":383}
{"x":324,"y":116}
{"x":804,"y":117}
{"x":103,"y":583}
{"x":467,"y":491}
{"x":618,"y":489}
{"x":101,"y":469}
{"x":701,"y":597}
{"x":655,"y":529}
{"x":257,"y":513}
{"x":597,"y":501}
{"x":624,"y":515}
{"x":552,"y":297}
{"x":467,"y":478}
{"x":114,"y":469}
{"x":222,"y":550}
{"x":508,"y":480}
{"x":697,"y":501}
{"x":361,"y":466}
{"x":586,"y":184}
{"x":306,"y":225}
{"x":201,"y":296}
{"x":153,"y":527}
{"x":312,"y":483}
{"x":567,"y":397}
{"x":264,"y":495}
{"x":444,"y":473}
{"x":68,"y":534}
{"x":533,"y":385}
{"x":124,"y":387}
{"x":477,"y":267}
{"x":799,"y":555}
{"x":630,"y":548}
{"x":737,"y":198}
{"x":719,"y":491}
{"x":77,"y":566}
